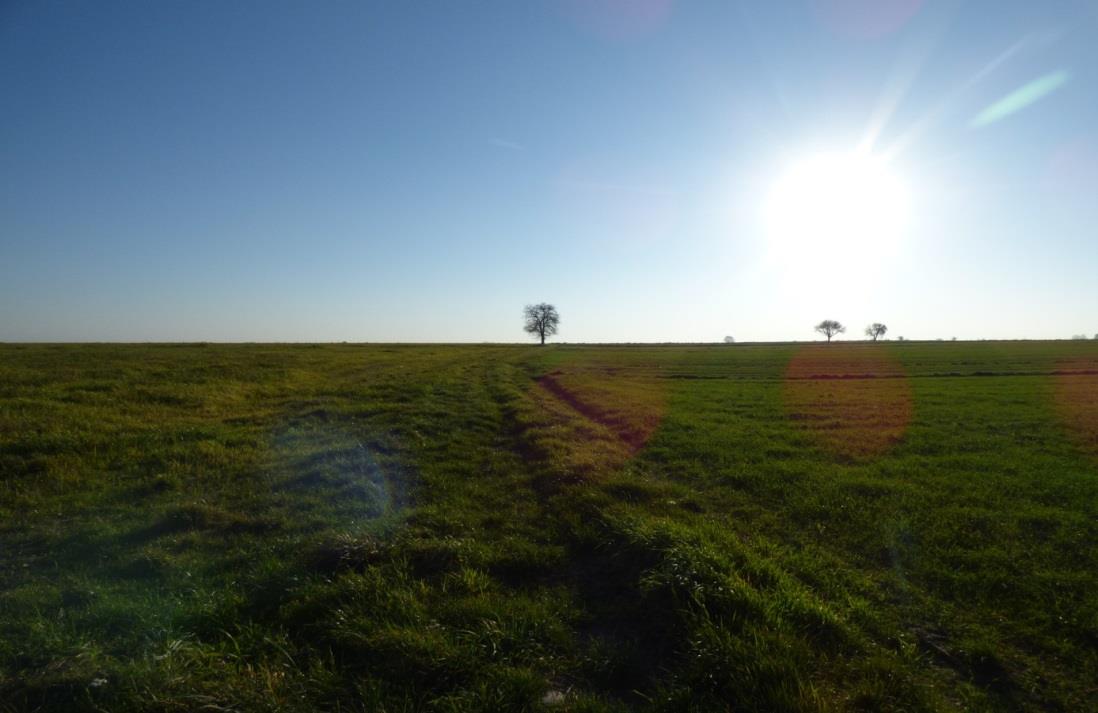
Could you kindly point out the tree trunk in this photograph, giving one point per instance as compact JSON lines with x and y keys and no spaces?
{"x":543,"y":339}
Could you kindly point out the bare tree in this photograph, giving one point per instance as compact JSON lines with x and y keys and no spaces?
{"x":541,"y":320}
{"x":829,"y":328}
{"x":876,"y":331}
{"x":729,"y":340}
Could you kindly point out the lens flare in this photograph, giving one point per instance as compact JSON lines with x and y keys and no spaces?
{"x":1076,"y":391}
{"x":618,"y":19}
{"x":1020,"y":99}
{"x":854,"y":400}
{"x":865,"y":19}
{"x":603,"y":415}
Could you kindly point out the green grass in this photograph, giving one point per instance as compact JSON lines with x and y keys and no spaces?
{"x":450,"y":528}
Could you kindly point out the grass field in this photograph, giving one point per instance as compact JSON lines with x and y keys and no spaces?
{"x":903,"y":526}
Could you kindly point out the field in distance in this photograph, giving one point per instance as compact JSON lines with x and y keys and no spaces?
{"x":898,"y":526}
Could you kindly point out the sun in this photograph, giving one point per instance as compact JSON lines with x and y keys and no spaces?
{"x":843,"y":207}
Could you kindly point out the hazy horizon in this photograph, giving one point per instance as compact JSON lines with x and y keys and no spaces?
{"x":554,"y":341}
{"x":660,"y":171}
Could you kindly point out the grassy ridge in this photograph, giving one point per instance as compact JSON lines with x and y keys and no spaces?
{"x":584,"y":528}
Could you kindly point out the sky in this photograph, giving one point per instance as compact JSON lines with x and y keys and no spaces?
{"x":419,"y":171}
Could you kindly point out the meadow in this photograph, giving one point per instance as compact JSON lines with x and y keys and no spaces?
{"x":907,"y":526}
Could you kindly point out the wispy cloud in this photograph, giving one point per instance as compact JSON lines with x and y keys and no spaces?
{"x":931,"y":117}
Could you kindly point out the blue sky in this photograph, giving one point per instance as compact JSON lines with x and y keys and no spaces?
{"x":400,"y":171}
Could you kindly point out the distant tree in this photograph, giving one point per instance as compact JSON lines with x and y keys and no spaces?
{"x":876,"y":331}
{"x":732,"y":340}
{"x":829,"y":328}
{"x":1079,"y":336}
{"x":541,"y":320}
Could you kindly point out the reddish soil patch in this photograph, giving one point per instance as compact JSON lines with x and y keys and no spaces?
{"x":855,"y":399}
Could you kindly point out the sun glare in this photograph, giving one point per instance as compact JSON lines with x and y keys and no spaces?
{"x":844,"y":206}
